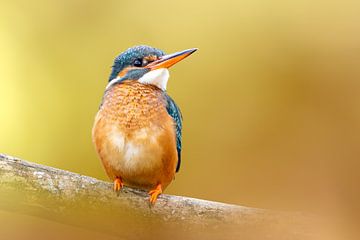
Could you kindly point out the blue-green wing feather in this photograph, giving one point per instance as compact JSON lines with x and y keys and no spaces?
{"x":174,"y":112}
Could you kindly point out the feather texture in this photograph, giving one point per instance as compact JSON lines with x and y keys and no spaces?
{"x":175,"y":113}
{"x":135,"y":136}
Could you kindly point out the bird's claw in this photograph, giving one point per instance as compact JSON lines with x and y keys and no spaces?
{"x":118,"y":184}
{"x":155,"y":193}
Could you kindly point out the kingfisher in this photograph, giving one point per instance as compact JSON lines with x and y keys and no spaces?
{"x":137,"y":130}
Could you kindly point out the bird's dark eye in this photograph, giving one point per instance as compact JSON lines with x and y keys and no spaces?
{"x":138,"y":63}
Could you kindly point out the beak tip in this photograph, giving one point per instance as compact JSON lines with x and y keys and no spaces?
{"x":194,"y":49}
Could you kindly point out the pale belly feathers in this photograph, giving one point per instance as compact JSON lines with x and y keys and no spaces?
{"x":141,"y":153}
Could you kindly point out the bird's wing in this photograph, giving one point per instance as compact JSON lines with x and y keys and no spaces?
{"x":174,"y":112}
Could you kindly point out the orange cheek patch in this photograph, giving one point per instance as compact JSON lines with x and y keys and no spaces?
{"x":125,"y":71}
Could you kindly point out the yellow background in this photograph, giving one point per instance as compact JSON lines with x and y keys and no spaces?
{"x":271,"y":101}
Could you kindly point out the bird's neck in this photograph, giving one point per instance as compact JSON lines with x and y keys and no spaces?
{"x":133,"y":104}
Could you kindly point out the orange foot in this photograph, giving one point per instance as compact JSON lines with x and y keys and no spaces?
{"x":118,"y":184}
{"x":155,"y":193}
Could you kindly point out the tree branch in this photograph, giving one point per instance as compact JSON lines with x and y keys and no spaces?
{"x":87,"y":202}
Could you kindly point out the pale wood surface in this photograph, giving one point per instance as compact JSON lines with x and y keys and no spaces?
{"x":67,"y":197}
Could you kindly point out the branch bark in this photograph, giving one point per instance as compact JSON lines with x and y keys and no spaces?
{"x":67,"y":197}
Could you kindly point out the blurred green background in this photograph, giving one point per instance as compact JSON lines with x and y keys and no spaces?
{"x":271,"y":101}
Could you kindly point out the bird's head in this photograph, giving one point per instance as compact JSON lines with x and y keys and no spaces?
{"x":146,"y":65}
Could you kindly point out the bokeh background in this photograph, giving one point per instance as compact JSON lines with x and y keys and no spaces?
{"x":271,"y":101}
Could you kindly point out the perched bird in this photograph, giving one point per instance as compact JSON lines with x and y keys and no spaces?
{"x":137,"y":130}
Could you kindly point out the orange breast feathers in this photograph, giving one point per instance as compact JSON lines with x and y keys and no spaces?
{"x":135,"y":136}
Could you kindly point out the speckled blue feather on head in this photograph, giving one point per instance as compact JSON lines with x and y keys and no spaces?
{"x":127,"y":58}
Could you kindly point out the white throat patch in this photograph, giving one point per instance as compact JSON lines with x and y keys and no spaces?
{"x":112,"y":82}
{"x":158,"y":77}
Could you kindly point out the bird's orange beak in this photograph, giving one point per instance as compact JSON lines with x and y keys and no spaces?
{"x":167,"y":61}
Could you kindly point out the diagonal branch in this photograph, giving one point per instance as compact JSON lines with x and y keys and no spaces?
{"x":74,"y":199}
